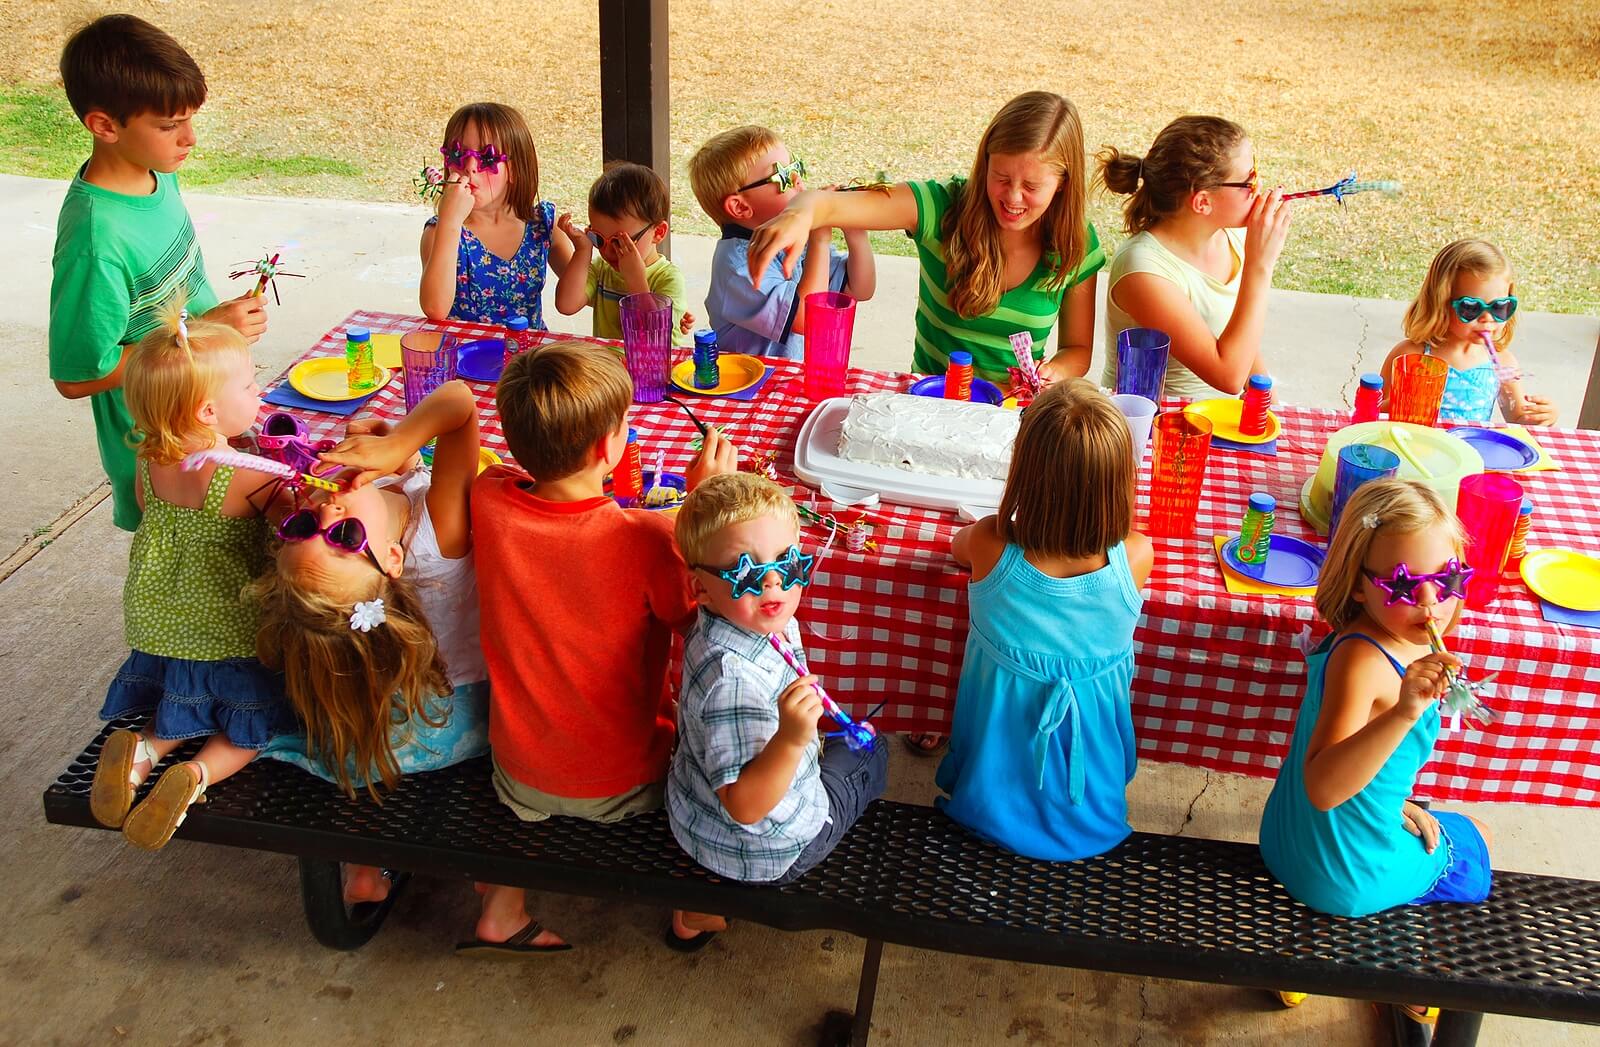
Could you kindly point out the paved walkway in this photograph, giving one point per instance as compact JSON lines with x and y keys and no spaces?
{"x":206,"y":946}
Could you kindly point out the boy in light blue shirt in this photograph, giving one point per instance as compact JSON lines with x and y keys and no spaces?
{"x":743,"y":178}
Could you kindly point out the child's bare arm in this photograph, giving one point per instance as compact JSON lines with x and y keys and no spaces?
{"x":813,"y":209}
{"x":1350,"y":745}
{"x":440,"y":242}
{"x":1075,"y":335}
{"x":1526,"y":408}
{"x":572,"y":286}
{"x":78,"y":390}
{"x":814,"y":277}
{"x":765,"y":780}
{"x":860,"y":268}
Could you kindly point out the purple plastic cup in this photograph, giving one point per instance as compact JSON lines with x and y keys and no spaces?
{"x":1358,"y":464}
{"x":427,"y":361}
{"x":647,"y":342}
{"x":1142,"y":361}
{"x":830,"y":321}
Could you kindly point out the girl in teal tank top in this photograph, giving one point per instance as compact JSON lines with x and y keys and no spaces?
{"x":1339,"y":829}
{"x":1042,"y":749}
{"x":190,"y":386}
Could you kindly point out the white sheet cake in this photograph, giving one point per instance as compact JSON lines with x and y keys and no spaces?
{"x":925,"y":434}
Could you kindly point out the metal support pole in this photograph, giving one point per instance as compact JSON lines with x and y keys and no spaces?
{"x":866,"y":993}
{"x":1457,"y":1029}
{"x":634,"y":103}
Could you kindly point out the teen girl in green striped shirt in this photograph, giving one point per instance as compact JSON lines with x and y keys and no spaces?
{"x":1003,"y":251}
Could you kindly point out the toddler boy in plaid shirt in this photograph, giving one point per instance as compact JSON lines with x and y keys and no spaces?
{"x":752,"y":794}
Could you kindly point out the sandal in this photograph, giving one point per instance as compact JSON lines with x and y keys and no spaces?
{"x":927,"y":743}
{"x":687,"y":945}
{"x":1292,"y":999}
{"x":115,"y":780}
{"x":153,"y":822}
{"x":519,"y":944}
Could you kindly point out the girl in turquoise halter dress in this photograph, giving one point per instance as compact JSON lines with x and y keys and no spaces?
{"x":1042,"y":748}
{"x":1339,"y":829}
{"x":190,"y":386}
{"x":1467,"y":296}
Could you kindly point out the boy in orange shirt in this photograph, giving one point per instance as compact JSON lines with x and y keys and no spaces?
{"x":579,"y":599}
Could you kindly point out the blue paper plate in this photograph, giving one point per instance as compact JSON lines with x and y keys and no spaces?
{"x":982,"y":392}
{"x":481,"y":361}
{"x":1501,"y":452}
{"x":1291,"y":563}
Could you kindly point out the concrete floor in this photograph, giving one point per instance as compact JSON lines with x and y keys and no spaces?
{"x":206,"y":946}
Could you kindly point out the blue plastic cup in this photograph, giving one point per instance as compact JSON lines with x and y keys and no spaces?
{"x":1142,"y":361}
{"x":1358,"y":464}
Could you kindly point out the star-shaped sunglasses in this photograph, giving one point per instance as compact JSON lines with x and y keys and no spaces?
{"x":747,"y":576}
{"x":1401,"y":585}
{"x":784,"y":176}
{"x":456,"y":156}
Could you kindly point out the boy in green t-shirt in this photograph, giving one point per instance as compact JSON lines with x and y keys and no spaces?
{"x":124,"y":242}
{"x":628,"y":212}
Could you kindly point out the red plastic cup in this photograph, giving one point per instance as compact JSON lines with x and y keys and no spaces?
{"x":1183,"y":443}
{"x":830,"y":320}
{"x":1487,"y":505}
{"x":1416,"y":389}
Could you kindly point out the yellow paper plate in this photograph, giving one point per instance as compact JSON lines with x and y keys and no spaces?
{"x":737,"y":371}
{"x":1223,"y":414}
{"x":486,"y":458}
{"x":326,"y":378}
{"x":1565,"y":577}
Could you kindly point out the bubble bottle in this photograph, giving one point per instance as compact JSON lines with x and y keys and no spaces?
{"x":1367,"y":397}
{"x":360,"y":373}
{"x":1255,"y":530}
{"x":1257,"y":398}
{"x":958,"y":376}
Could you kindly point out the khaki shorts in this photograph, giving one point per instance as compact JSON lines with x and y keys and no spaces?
{"x":531,"y":805}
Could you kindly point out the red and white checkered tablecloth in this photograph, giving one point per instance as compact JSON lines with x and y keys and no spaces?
{"x":1219,"y":677}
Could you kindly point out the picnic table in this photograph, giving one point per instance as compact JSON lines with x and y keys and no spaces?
{"x":1219,"y":677}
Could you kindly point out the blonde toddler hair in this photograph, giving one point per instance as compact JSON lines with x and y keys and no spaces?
{"x":722,"y":501}
{"x":1381,"y":507}
{"x":1428,"y":316}
{"x":173,"y":370}
{"x":1069,"y":491}
{"x":716,"y":170}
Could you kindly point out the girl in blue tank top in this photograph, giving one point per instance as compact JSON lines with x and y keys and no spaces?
{"x":1339,"y":829}
{"x":1042,"y":748}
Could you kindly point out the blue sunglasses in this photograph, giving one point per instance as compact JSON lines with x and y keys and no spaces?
{"x":747,"y":576}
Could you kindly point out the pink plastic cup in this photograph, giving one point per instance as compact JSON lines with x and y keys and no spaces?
{"x":647,"y":343}
{"x":1487,"y":505}
{"x":830,"y":320}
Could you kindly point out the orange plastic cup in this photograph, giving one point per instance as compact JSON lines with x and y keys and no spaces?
{"x":1182,"y":445}
{"x":1416,"y":389}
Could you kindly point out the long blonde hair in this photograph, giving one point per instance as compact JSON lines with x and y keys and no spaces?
{"x":1390,"y":507}
{"x":1036,"y":122}
{"x":351,"y":688}
{"x":1428,"y":316}
{"x":173,"y":370}
{"x":1069,"y":491}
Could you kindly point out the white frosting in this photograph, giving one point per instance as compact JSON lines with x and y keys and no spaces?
{"x":925,"y":434}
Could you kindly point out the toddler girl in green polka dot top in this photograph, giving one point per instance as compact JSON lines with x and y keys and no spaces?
{"x":190,"y":386}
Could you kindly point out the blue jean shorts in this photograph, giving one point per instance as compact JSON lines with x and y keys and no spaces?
{"x":1466,"y":876}
{"x":852,"y":779}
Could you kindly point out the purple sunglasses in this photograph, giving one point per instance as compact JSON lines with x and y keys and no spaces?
{"x":1401,"y":586}
{"x":348,"y":535}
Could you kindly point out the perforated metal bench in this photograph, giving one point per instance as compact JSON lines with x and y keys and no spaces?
{"x":1158,"y":906}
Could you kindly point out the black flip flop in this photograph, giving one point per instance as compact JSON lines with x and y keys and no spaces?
{"x":519,"y":944}
{"x":688,"y":945}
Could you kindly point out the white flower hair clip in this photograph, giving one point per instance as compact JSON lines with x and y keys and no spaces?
{"x":367,"y":614}
{"x":1371,"y":521}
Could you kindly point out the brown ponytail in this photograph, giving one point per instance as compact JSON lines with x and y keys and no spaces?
{"x":1190,"y":154}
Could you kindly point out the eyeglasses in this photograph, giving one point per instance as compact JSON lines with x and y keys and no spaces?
{"x":1401,"y":586}
{"x":348,"y":535}
{"x":1252,"y":182}
{"x":784,"y":176}
{"x":594,"y":237}
{"x":1468,"y":308}
{"x":456,"y":155}
{"x":747,"y":576}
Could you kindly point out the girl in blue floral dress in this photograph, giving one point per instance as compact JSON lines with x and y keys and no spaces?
{"x":484,"y":254}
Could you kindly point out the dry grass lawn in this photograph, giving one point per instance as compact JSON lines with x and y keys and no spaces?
{"x":1487,"y":110}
